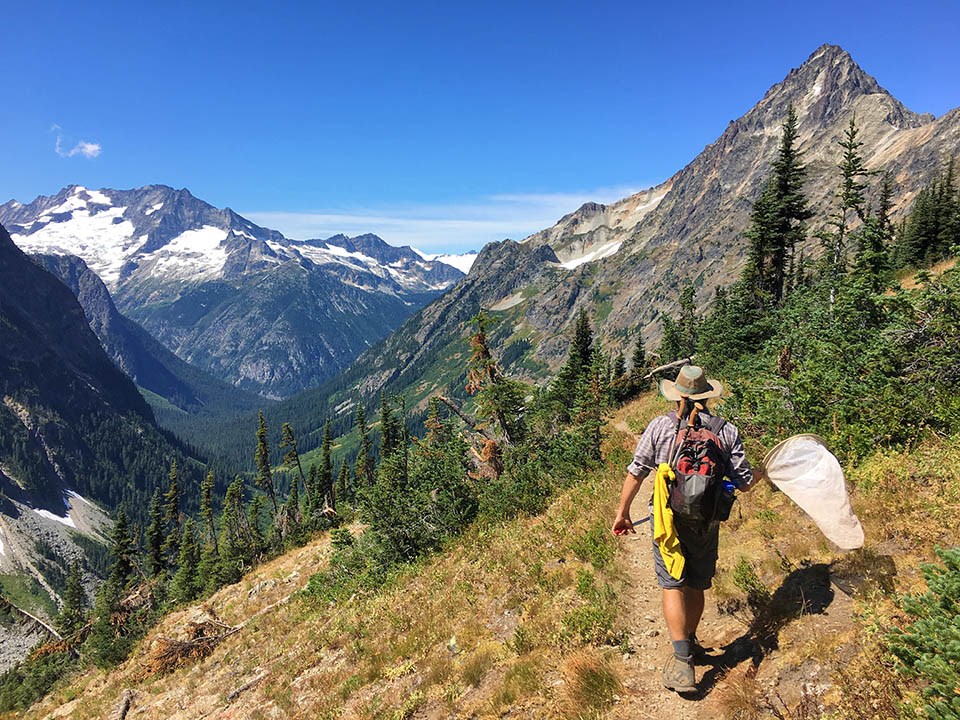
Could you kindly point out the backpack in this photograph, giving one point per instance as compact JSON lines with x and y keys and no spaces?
{"x":699,"y":463}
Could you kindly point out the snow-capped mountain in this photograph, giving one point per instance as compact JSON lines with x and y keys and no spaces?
{"x":127,"y":236}
{"x":255,"y":308}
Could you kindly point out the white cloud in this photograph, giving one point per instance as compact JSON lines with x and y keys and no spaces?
{"x":455,"y":227}
{"x":84,"y":148}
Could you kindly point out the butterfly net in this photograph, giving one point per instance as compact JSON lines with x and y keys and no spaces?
{"x":805,"y":470}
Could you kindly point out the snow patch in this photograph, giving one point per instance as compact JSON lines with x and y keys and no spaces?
{"x":817,"y":89}
{"x":462,"y":262}
{"x":152,"y":210}
{"x":601,"y":252}
{"x":198,"y":253}
{"x":103,"y":239}
{"x":68,"y":521}
{"x":98,"y":197}
{"x":2,"y":550}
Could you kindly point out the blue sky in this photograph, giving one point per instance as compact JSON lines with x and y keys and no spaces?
{"x":439,"y":124}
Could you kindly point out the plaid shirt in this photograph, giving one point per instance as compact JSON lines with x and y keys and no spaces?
{"x":657,"y":443}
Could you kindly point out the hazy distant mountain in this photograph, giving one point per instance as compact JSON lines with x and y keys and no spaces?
{"x":625,"y":262}
{"x":261,"y":311}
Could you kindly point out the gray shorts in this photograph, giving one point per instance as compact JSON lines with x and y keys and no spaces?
{"x":700,"y":544}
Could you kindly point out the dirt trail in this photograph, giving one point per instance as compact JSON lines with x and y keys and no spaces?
{"x":649,"y":640}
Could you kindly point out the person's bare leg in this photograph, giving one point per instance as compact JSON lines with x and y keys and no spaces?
{"x":675,"y":613}
{"x":693,"y":611}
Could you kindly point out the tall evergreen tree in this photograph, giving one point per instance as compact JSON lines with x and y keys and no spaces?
{"x":73,"y":614}
{"x":262,"y":459}
{"x":363,"y":469}
{"x":852,"y":206}
{"x":235,"y":539}
{"x":638,"y":366}
{"x":500,"y":400}
{"x":171,"y":515}
{"x":564,"y":387}
{"x":778,"y":219}
{"x":344,"y":489}
{"x":291,"y":459}
{"x":156,"y":535}
{"x":185,"y":585}
{"x":206,"y":509}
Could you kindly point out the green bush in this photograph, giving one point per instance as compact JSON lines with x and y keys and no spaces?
{"x":929,"y":647}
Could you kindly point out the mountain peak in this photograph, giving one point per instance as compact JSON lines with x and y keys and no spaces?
{"x":824,"y":88}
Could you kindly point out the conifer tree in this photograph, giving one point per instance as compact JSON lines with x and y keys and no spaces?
{"x":291,"y":459}
{"x":262,"y":458}
{"x":156,"y":559}
{"x":171,"y":515}
{"x":363,"y":470}
{"x":851,"y":206}
{"x":73,"y":615}
{"x":123,"y":550}
{"x":344,"y":489}
{"x":235,"y":539}
{"x":671,"y":342}
{"x":638,"y":367}
{"x":206,"y":509}
{"x":185,"y":585}
{"x":588,"y":411}
{"x":778,"y":220}
{"x":500,"y":400}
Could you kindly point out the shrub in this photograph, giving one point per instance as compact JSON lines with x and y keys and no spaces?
{"x":929,"y":647}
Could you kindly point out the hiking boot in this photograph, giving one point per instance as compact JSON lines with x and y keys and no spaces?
{"x":698,"y":651}
{"x":679,"y":676}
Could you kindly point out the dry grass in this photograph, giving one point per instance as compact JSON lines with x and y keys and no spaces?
{"x":591,"y":683}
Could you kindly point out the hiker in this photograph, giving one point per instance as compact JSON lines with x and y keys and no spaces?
{"x":696,"y":533}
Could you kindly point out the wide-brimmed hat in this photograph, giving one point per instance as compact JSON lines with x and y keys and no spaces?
{"x":692,"y":383}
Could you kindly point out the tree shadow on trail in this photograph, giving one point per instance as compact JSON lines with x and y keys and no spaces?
{"x":805,"y":591}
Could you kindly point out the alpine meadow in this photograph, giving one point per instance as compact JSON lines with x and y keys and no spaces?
{"x":249,"y":476}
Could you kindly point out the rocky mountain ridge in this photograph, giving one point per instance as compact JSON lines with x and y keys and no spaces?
{"x":196,"y":277}
{"x":625,"y":262}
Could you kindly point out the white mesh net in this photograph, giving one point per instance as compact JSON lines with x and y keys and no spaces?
{"x":808,"y":473}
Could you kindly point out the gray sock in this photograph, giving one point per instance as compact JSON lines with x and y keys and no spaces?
{"x":682,"y":650}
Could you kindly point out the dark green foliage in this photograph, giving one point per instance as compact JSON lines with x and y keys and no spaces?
{"x":778,"y":220}
{"x":28,"y":681}
{"x":324,"y":497}
{"x":563,"y":391}
{"x":171,"y":515}
{"x":74,"y":612}
{"x":262,"y":459}
{"x":364,"y":468}
{"x":932,"y":230}
{"x":186,"y":584}
{"x":156,"y":560}
{"x":928,"y":648}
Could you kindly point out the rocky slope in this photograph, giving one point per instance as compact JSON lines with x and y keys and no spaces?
{"x":625,"y":262}
{"x":75,"y":435}
{"x":254,"y":308}
{"x":150,"y":365}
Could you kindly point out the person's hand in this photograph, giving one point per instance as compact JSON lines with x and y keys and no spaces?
{"x":759,"y":473}
{"x":623,"y":525}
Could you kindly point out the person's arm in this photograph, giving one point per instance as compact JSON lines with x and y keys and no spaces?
{"x":622,"y":523}
{"x":644,"y":460}
{"x":739,"y":470}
